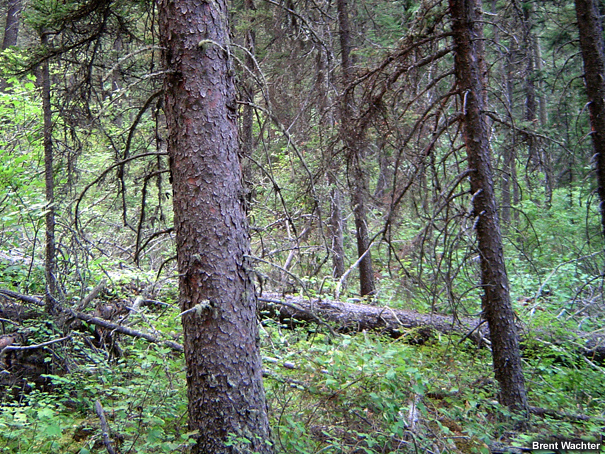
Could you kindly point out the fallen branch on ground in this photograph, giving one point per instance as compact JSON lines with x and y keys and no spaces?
{"x":128,"y":331}
{"x":97,"y":321}
{"x":11,"y":347}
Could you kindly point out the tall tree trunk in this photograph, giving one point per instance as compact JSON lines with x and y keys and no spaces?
{"x":354,"y":147}
{"x":510,"y":186}
{"x":532,"y":99}
{"x":591,"y":43}
{"x":535,"y":104}
{"x":359,"y":191}
{"x":248,"y":97}
{"x":542,"y":101}
{"x":545,"y":155}
{"x":49,"y":183}
{"x":11,"y":30}
{"x":11,"y":27}
{"x":385,"y":175}
{"x":497,"y":309}
{"x":217,"y":297}
{"x":327,"y":113}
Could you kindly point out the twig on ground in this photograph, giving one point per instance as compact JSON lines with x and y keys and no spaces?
{"x":33,"y":347}
{"x":104,"y":427}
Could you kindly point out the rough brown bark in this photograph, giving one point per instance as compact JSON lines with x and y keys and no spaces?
{"x":354,"y":149}
{"x":591,"y":43}
{"x":497,"y":309}
{"x":224,"y":381}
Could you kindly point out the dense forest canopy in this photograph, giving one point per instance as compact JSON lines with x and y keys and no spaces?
{"x":409,"y":184}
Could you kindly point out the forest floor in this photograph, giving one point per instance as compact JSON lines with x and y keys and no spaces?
{"x":328,"y":392}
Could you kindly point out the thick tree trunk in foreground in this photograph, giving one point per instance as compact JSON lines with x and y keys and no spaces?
{"x":497,"y":308}
{"x":225,"y":389}
{"x":591,"y":43}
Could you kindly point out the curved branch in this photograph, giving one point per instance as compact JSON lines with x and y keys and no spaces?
{"x":104,"y":174}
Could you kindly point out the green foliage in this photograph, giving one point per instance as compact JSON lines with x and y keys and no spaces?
{"x":23,"y":208}
{"x":555,"y":256}
{"x":36,"y":426}
{"x":143,"y":396}
{"x":346,"y":393}
{"x":368,"y":394}
{"x":328,"y":394}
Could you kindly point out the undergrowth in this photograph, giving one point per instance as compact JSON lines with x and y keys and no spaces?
{"x":327,"y":394}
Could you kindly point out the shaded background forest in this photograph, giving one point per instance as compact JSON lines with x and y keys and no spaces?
{"x":336,"y":154}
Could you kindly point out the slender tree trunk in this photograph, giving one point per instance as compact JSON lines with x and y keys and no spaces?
{"x":542,"y":101}
{"x":327,"y":113}
{"x":535,"y":105}
{"x":385,"y":175}
{"x":224,"y":381}
{"x":545,"y":155}
{"x":360,"y":214}
{"x":497,"y":309}
{"x":11,"y":30}
{"x":591,"y":43}
{"x":11,"y":27}
{"x":354,"y":145}
{"x":507,"y":148}
{"x":248,"y":97}
{"x":531,"y":103}
{"x":533,"y":160}
{"x":338,"y":252}
{"x":49,"y":183}
{"x":510,"y":186}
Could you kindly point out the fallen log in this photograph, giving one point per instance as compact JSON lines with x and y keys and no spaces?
{"x":347,"y":317}
{"x":351,"y":317}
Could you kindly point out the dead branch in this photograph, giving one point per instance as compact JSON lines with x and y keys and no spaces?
{"x":91,"y":296}
{"x":126,"y":330}
{"x":24,"y":298}
{"x":561,"y":415}
{"x":97,"y":321}
{"x":11,"y":347}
